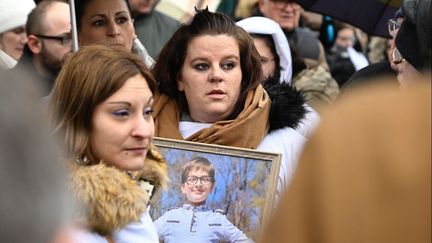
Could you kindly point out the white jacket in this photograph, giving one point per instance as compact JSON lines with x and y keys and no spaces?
{"x":287,"y":142}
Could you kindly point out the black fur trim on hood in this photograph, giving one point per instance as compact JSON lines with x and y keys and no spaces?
{"x":288,"y":104}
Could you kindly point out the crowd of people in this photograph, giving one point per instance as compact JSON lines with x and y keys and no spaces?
{"x":266,"y":81}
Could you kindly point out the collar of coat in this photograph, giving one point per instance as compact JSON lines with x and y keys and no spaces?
{"x":108,"y":199}
{"x":288,"y":106}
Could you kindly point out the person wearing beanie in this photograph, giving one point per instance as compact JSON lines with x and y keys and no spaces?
{"x":13,"y":16}
{"x":412,"y":55}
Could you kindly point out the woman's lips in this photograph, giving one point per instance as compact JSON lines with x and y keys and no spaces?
{"x":137,"y":150}
{"x":216,"y":94}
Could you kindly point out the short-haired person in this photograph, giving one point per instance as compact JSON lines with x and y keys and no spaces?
{"x":153,"y":28}
{"x":101,"y":105}
{"x":196,"y":222}
{"x":342,"y":58}
{"x":287,"y":14}
{"x":49,"y":42}
{"x":108,"y":22}
{"x":209,"y":76}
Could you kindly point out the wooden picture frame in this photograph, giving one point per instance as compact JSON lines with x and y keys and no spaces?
{"x":245,"y":185}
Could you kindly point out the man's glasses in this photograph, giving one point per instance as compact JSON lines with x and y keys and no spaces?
{"x":397,"y":57}
{"x":393,"y":26}
{"x":204,"y":180}
{"x":283,"y":3}
{"x":64,"y":39}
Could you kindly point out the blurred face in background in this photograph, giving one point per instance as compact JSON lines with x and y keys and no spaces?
{"x":12,"y":42}
{"x":345,"y":38}
{"x":107,"y":22}
{"x":53,"y":52}
{"x":267,"y":58}
{"x":142,"y":6}
{"x":285,"y":12}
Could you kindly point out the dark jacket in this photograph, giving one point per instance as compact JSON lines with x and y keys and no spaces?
{"x":341,"y":66}
{"x":25,"y":69}
{"x":154,"y":30}
{"x":368,"y":74}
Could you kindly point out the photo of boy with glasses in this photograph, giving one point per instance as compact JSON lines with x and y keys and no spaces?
{"x":196,"y":222}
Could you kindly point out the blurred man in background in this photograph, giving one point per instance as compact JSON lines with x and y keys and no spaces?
{"x":49,"y":42}
{"x":152,"y":27}
{"x":287,"y":14}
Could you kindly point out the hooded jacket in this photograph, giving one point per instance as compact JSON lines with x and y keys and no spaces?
{"x":266,"y":26}
{"x":109,"y":199}
{"x":320,"y":90}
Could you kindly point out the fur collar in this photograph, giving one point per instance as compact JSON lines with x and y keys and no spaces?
{"x":109,"y":199}
{"x":288,"y":104}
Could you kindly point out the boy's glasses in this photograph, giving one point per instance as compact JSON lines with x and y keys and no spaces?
{"x":204,"y":180}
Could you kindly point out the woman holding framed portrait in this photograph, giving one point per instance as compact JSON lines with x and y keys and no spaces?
{"x":209,"y":76}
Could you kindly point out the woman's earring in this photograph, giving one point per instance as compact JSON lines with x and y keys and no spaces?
{"x":82,"y":160}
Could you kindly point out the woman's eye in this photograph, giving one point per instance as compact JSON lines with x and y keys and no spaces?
{"x":121,"y":113}
{"x":263,"y":60}
{"x":122,"y":20}
{"x":18,"y":30}
{"x":148,"y":112}
{"x":201,"y":66}
{"x":228,"y":65}
{"x":98,"y":23}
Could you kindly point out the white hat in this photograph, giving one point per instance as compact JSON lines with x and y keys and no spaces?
{"x":13,"y":13}
{"x":262,"y":25}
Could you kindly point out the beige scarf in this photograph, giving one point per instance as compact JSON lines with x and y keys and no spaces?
{"x":246,"y":131}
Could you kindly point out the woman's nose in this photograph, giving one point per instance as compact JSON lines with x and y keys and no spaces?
{"x":23,"y":38}
{"x":113,"y":29}
{"x":216,"y":74}
{"x":143,"y":128}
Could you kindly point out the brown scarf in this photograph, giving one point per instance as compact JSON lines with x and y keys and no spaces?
{"x":246,"y":131}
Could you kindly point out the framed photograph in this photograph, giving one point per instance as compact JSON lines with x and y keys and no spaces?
{"x":244,"y":188}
